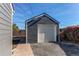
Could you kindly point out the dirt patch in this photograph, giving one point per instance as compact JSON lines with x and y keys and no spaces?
{"x":23,"y":50}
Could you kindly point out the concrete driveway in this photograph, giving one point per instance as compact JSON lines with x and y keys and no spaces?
{"x":39,"y":49}
{"x":47,"y":49}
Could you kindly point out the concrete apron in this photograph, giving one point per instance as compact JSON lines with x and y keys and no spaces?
{"x":23,"y":50}
{"x":47,"y":49}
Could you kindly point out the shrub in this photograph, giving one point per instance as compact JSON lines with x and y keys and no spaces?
{"x":70,"y":33}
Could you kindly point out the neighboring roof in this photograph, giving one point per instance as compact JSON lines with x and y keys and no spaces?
{"x":35,"y":19}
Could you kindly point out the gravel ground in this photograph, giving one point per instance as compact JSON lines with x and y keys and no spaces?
{"x":70,"y":49}
{"x":47,"y":49}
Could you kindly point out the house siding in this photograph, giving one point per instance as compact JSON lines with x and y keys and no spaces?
{"x":32,"y":31}
{"x":5,"y":28}
{"x":32,"y":34}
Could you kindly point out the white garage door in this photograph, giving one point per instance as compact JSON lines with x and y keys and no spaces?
{"x":46,"y":33}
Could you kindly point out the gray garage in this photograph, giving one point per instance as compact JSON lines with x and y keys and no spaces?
{"x":41,"y":29}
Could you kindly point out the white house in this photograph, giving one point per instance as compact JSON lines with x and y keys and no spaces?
{"x":5,"y":28}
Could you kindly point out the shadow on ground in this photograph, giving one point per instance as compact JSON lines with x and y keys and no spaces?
{"x":70,"y":49}
{"x":19,"y":41}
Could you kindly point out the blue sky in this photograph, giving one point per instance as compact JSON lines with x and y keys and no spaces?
{"x":66,"y":14}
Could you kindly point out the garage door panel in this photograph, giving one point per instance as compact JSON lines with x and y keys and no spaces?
{"x":46,"y":32}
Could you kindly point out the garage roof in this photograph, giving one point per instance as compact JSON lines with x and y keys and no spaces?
{"x":35,"y":19}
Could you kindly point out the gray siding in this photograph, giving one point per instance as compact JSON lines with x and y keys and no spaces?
{"x":32,"y":34}
{"x":5,"y":28}
{"x":32,"y":30}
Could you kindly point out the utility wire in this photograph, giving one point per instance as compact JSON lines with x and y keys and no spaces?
{"x":30,"y":8}
{"x":21,"y":9}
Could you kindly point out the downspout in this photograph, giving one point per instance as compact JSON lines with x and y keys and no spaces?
{"x":26,"y":31}
{"x":11,"y":26}
{"x":59,"y":34}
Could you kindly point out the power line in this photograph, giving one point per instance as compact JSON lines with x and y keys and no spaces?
{"x":30,"y":7}
{"x":20,"y":10}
